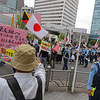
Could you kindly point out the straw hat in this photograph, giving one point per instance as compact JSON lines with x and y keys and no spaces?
{"x":24,"y":58}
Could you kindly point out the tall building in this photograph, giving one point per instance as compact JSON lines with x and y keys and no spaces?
{"x":59,"y":12}
{"x":15,"y":4}
{"x":2,"y":1}
{"x":95,"y":25}
{"x":4,"y":9}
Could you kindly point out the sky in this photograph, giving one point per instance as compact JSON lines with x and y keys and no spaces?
{"x":84,"y":13}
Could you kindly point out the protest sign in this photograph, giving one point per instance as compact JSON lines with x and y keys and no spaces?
{"x":35,"y":41}
{"x":4,"y":57}
{"x":45,"y":46}
{"x":10,"y":52}
{"x":11,"y":37}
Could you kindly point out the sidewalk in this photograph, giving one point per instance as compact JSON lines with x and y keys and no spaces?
{"x":65,"y":96}
{"x":62,"y":93}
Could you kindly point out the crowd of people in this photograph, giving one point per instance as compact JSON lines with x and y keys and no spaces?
{"x":24,"y":65}
{"x":65,"y":53}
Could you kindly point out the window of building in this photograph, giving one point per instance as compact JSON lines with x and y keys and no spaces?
{"x":11,"y":3}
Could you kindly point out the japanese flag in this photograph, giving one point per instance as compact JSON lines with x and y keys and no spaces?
{"x":34,"y":26}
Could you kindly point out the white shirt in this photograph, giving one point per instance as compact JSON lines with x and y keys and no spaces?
{"x":27,"y":82}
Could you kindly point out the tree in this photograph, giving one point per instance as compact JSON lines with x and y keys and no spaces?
{"x":61,"y":36}
{"x":92,"y":42}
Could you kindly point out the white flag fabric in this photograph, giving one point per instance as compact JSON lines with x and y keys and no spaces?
{"x":34,"y":26}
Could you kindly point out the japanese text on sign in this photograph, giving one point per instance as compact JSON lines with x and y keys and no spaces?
{"x":45,"y":46}
{"x":11,"y":37}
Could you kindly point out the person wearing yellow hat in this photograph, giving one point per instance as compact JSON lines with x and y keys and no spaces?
{"x":24,"y":61}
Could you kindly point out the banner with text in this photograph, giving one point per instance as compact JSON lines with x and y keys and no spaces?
{"x":45,"y":46}
{"x":6,"y":55}
{"x":10,"y":52}
{"x":10,"y":37}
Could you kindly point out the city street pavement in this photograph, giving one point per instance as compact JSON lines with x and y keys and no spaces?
{"x":60,"y":93}
{"x":65,"y":96}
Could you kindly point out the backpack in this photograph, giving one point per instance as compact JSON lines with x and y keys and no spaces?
{"x":17,"y":92}
{"x":96,"y":79}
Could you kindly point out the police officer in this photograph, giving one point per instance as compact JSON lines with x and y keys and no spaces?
{"x":86,"y":57}
{"x":96,"y":53}
{"x":91,"y":55}
{"x":94,"y":69}
{"x":83,"y":54}
{"x":66,"y":57}
{"x":80,"y":55}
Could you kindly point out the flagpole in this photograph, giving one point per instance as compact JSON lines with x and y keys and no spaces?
{"x":20,"y":20}
{"x":97,"y":40}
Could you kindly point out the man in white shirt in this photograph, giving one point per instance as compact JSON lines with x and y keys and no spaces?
{"x":24,"y":61}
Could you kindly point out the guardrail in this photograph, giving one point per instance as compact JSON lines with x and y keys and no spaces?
{"x":50,"y":77}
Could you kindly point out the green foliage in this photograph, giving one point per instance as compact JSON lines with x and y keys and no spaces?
{"x":19,"y":21}
{"x":74,"y":42}
{"x":61,"y":36}
{"x":92,"y":42}
{"x":39,"y":41}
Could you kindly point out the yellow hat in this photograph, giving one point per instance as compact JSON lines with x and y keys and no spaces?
{"x":24,"y":58}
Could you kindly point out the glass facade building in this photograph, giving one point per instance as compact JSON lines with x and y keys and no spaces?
{"x":4,"y":8}
{"x":11,"y":3}
{"x":15,"y":4}
{"x":95,"y":25}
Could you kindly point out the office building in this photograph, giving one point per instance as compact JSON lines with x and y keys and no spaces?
{"x":95,"y":25}
{"x":4,"y":8}
{"x":59,"y":12}
{"x":15,"y":4}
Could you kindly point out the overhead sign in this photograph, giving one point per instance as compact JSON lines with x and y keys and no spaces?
{"x":11,"y":37}
{"x":45,"y":46}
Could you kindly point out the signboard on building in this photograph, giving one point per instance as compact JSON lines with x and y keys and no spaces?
{"x":76,"y":37}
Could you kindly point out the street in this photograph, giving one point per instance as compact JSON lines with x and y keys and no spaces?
{"x":7,"y":69}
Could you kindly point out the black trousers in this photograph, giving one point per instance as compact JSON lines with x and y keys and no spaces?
{"x":96,"y":94}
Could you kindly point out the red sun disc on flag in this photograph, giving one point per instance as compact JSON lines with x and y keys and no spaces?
{"x":66,"y":39}
{"x":36,"y":27}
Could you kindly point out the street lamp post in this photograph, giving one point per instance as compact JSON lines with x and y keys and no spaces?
{"x":74,"y":78}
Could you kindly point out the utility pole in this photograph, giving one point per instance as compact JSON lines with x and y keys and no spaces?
{"x":74,"y":78}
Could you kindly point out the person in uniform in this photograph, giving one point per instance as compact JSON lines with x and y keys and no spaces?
{"x":94,"y":70}
{"x":66,"y":57}
{"x":91,"y":55}
{"x":96,"y":54}
{"x":80,"y":55}
{"x":87,"y":56}
{"x":83,"y":54}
